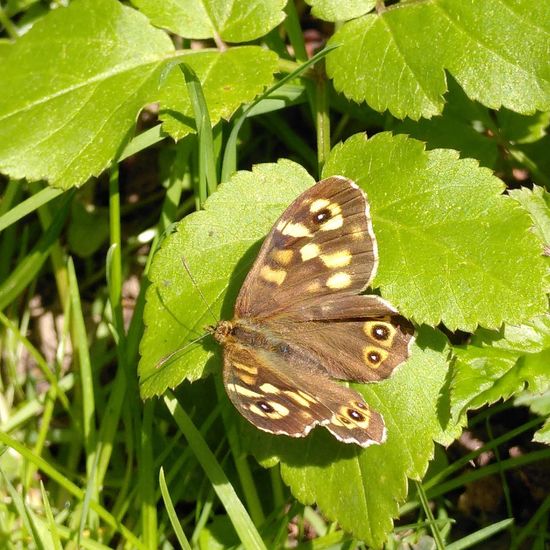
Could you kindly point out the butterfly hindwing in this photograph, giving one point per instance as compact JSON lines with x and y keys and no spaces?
{"x":361,"y":340}
{"x":268,"y":391}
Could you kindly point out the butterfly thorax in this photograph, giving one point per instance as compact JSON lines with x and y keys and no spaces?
{"x":243,"y":332}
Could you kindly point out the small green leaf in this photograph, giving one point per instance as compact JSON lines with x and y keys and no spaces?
{"x":501,"y":364}
{"x":396,"y":60}
{"x":543,"y":435}
{"x":537,"y":202}
{"x":538,"y":403}
{"x":452,"y":247}
{"x":228,"y":79}
{"x":73,"y":87}
{"x":336,"y":10}
{"x":231,"y":20}
{"x":219,"y":245}
{"x":362,"y":488}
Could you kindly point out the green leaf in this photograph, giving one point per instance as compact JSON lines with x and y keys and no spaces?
{"x":231,"y":20}
{"x":543,"y":435}
{"x":496,"y":50}
{"x":73,"y":87}
{"x":537,"y":202}
{"x":452,"y":247}
{"x":228,"y":79}
{"x":538,"y":403}
{"x":362,"y":488}
{"x":219,"y":245}
{"x":336,"y":10}
{"x":501,"y":364}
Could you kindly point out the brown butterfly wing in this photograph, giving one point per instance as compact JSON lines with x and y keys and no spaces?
{"x":278,"y":398}
{"x":323,"y":243}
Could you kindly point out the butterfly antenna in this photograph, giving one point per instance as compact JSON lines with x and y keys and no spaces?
{"x":183,"y":261}
{"x":178,"y":352}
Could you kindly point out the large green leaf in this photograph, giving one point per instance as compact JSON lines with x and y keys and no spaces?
{"x":231,"y":20}
{"x":452,"y":247}
{"x":497,"y":50}
{"x":358,"y":487}
{"x":72,"y":88}
{"x":69,"y":105}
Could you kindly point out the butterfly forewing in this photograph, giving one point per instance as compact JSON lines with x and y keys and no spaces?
{"x":322,"y":245}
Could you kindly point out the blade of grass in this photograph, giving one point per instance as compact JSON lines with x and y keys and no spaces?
{"x":145,"y":479}
{"x":171,"y":511}
{"x":207,"y":163}
{"x":29,"y":205}
{"x":238,"y":515}
{"x":52,"y":526}
{"x":491,"y":469}
{"x":37,"y":356}
{"x":460,"y":463}
{"x":483,"y":534}
{"x":89,"y":429}
{"x":440,"y":545}
{"x":142,"y":141}
{"x":24,"y":513}
{"x":28,"y":268}
{"x":529,"y":528}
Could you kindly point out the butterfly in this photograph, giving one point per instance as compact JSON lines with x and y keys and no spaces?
{"x":301,"y":324}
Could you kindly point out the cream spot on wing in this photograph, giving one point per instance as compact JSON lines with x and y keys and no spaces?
{"x":271,"y":409}
{"x":360,"y":418}
{"x":339,"y":280}
{"x":248,"y":379}
{"x":269,"y":388}
{"x":337,"y":259}
{"x":247,"y":368}
{"x":256,"y":410}
{"x":315,"y":286}
{"x":297,"y":397}
{"x":282,"y":257}
{"x":281,"y":409}
{"x":335,"y":208}
{"x":295,"y":230}
{"x":271,"y":275}
{"x":305,"y":395}
{"x":318,"y":204}
{"x":334,"y":223}
{"x":241,"y":390}
{"x":309,"y":251}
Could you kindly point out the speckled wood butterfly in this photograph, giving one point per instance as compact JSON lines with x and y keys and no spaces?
{"x":301,"y":324}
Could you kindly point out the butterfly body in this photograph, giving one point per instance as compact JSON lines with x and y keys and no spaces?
{"x":300,"y":323}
